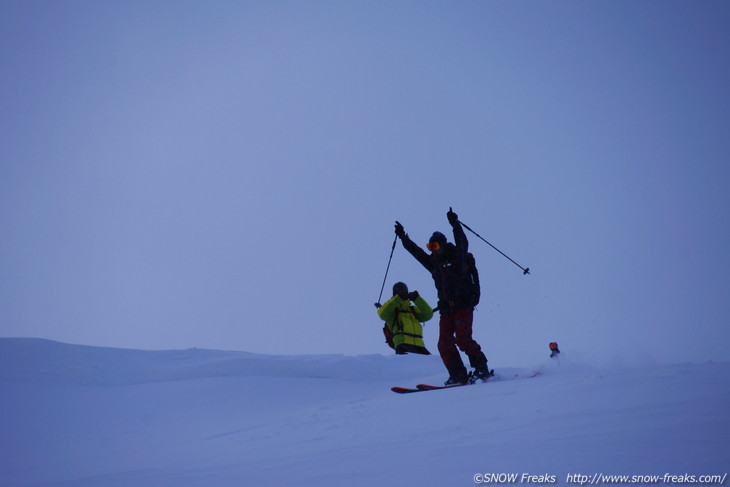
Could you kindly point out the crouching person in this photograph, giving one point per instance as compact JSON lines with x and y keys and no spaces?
{"x":403,"y":315}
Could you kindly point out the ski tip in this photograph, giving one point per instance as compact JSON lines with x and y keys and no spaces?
{"x":403,"y":390}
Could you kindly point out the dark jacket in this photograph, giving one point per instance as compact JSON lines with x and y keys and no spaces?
{"x":454,"y":272}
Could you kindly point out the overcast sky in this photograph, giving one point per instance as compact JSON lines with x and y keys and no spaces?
{"x":226,"y":174}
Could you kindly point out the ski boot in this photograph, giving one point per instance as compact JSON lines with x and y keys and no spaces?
{"x":457,"y":380}
{"x":481,"y":374}
{"x":457,"y":372}
{"x":481,"y":369}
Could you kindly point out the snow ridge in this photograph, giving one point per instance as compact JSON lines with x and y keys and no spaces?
{"x":86,"y":416}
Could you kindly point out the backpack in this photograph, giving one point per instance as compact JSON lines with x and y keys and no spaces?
{"x":473,"y":275}
{"x":388,"y":336}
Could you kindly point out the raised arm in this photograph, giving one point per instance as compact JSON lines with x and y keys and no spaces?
{"x":423,"y":311}
{"x":460,"y":241}
{"x":408,"y":244}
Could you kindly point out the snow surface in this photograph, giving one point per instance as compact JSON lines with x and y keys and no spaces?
{"x":83,"y":416}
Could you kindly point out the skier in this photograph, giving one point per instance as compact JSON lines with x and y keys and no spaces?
{"x":456,"y":278}
{"x":403,"y":330}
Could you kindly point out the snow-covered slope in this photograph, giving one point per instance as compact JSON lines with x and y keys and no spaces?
{"x":83,"y":416}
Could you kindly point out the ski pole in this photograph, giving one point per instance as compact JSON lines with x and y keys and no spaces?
{"x":377,"y":305}
{"x":525,"y":270}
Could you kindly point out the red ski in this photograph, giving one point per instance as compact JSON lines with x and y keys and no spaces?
{"x":428,"y":387}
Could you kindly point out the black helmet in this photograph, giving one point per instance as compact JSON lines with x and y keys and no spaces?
{"x":438,"y":237}
{"x":400,"y":287}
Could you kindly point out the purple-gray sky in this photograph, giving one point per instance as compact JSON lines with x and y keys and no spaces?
{"x":226,"y":174}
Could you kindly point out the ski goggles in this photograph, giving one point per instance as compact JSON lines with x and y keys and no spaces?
{"x":433,"y":246}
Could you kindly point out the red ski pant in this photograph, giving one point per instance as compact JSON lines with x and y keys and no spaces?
{"x":455,"y":330}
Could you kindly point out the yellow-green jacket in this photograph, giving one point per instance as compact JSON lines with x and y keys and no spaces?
{"x":404,"y":320}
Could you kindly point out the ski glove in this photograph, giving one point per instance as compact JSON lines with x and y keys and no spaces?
{"x":399,"y":230}
{"x":452,"y":217}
